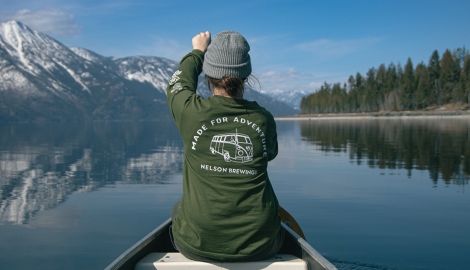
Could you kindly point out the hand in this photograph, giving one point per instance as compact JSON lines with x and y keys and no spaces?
{"x":201,"y":41}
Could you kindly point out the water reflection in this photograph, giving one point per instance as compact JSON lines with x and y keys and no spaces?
{"x":440,"y":146}
{"x":41,"y":164}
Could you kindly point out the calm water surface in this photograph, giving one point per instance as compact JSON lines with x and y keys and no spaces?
{"x":369,"y":194}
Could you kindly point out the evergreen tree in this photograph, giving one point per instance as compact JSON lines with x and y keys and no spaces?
{"x":361,"y":97}
{"x":392,"y":78}
{"x":459,"y":56}
{"x":409,"y":86}
{"x":424,"y":88}
{"x":381,"y":82}
{"x":459,"y":91}
{"x":391,"y":100}
{"x":395,"y":88}
{"x":338,"y":96}
{"x":371,"y":91}
{"x":352,"y":94}
{"x":464,"y":81}
{"x":434,"y":72}
{"x":448,"y":78}
{"x":400,"y":76}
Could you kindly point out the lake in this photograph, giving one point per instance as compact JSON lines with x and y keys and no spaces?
{"x":368,"y":193}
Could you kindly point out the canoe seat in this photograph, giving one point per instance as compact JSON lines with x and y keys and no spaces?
{"x":164,"y":261}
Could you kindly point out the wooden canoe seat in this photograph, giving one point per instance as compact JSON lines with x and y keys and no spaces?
{"x":166,"y":261}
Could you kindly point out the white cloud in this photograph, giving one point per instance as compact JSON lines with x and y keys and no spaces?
{"x":51,"y":21}
{"x":292,"y":80}
{"x":315,"y":85}
{"x":156,"y":46}
{"x":164,"y":47}
{"x":326,"y":49}
{"x":290,"y":74}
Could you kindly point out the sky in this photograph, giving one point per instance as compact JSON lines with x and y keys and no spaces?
{"x":295,"y":45}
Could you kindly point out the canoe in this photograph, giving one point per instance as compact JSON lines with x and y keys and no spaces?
{"x":157,"y":245}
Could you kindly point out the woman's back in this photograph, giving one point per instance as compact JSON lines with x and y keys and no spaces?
{"x":229,"y":210}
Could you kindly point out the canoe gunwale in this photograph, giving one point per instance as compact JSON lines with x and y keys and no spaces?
{"x":315,"y":261}
{"x":127,"y":260}
{"x":139,"y":246}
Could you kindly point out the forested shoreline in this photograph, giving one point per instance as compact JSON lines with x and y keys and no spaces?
{"x":396,"y":88}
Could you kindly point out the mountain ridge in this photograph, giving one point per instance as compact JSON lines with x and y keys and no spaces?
{"x":43,"y":80}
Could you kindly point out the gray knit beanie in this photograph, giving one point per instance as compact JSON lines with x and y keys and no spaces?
{"x":227,"y":54}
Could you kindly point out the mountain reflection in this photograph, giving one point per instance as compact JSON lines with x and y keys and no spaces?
{"x":41,"y":164}
{"x":439,"y":145}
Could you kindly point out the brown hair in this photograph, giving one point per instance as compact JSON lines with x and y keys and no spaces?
{"x":234,"y":87}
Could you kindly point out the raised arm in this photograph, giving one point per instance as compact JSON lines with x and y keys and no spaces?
{"x":182,"y":85}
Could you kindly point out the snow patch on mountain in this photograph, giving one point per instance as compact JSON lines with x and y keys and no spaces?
{"x":88,"y":55}
{"x":105,"y":63}
{"x":12,"y":79}
{"x":12,"y":39}
{"x":154,"y":70}
{"x":291,"y":98}
{"x":74,"y":76}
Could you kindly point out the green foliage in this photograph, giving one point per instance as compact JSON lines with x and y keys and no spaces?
{"x":424,"y":89}
{"x":396,"y":88}
{"x":408,"y":87}
{"x":434,"y":72}
{"x":449,"y":77}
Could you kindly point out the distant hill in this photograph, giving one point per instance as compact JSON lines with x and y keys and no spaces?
{"x":43,"y":80}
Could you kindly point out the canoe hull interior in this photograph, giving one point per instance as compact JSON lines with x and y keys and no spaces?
{"x":159,"y":241}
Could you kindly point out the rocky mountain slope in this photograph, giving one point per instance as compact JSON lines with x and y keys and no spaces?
{"x":44,"y":80}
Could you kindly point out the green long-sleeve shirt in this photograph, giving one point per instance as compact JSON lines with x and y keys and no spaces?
{"x":229,"y":210}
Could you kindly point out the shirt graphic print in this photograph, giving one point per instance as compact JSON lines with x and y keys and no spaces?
{"x":234,"y":147}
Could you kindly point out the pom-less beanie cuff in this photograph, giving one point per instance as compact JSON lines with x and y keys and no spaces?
{"x":227,"y":54}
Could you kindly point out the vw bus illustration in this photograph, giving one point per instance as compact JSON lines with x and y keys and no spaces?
{"x":236,"y":147}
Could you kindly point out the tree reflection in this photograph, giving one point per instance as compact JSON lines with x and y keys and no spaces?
{"x":438,"y":145}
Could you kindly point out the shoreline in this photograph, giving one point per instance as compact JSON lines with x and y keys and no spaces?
{"x":381,"y":114}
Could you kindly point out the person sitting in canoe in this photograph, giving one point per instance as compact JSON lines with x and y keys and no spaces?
{"x":229,"y":211}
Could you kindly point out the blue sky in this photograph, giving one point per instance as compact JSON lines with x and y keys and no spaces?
{"x":295,"y":45}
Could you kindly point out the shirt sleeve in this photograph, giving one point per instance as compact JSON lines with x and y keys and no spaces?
{"x":182,"y":85}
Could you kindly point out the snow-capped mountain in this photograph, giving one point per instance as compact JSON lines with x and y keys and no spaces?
{"x":291,"y":98}
{"x":42,"y":79}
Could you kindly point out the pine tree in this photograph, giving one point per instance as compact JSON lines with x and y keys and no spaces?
{"x":459,"y":91}
{"x":352,"y":94}
{"x":464,"y":80}
{"x":409,"y":86}
{"x":371,"y":90}
{"x":395,"y":88}
{"x":392,"y":78}
{"x":338,"y":95}
{"x":361,"y":96}
{"x":459,"y":56}
{"x":449,"y":77}
{"x":400,"y":76}
{"x":424,"y":88}
{"x":391,"y":101}
{"x":381,"y":81}
{"x":434,"y":72}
